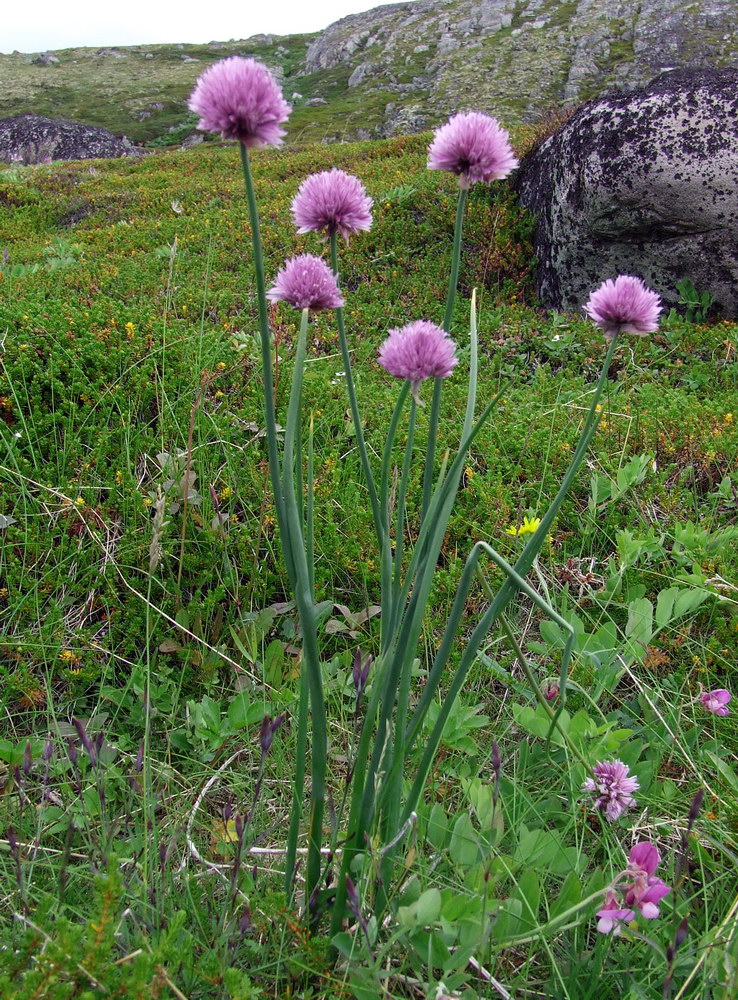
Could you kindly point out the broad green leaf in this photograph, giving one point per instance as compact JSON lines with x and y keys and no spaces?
{"x":464,"y":844}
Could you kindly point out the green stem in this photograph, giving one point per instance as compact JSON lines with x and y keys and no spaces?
{"x":453,"y":282}
{"x":305,"y":602}
{"x":297,"y":786}
{"x":266,"y":355}
{"x":504,"y":595}
{"x":355,"y":415}
{"x":401,"y":498}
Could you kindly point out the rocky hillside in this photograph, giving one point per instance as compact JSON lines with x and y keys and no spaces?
{"x":394,"y":69}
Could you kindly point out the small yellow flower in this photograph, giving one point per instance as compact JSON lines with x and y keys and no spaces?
{"x":529,"y":527}
{"x":80,"y":501}
{"x":220,"y":366}
{"x":728,"y":418}
{"x":130,"y":328}
{"x":219,"y":394}
{"x":147,"y":501}
{"x":224,"y":493}
{"x":118,"y":478}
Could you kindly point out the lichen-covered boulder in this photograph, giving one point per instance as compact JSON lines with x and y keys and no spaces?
{"x":36,"y":139}
{"x":644,"y":183}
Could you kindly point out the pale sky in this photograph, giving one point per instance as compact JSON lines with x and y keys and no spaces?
{"x":53,"y":24}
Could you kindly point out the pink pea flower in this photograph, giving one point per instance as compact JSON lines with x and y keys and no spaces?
{"x":418,"y":351}
{"x":612,"y":788}
{"x":240,"y":99}
{"x":624,"y":305}
{"x":646,"y":890}
{"x":716,"y":701}
{"x":474,"y":147}
{"x":332,"y":200}
{"x":306,"y":282}
{"x":612,"y":915}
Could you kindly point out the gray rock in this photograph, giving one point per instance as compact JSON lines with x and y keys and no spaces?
{"x":45,"y":59}
{"x":362,"y":71}
{"x":643,"y":184}
{"x":34,"y":138}
{"x":406,"y":120}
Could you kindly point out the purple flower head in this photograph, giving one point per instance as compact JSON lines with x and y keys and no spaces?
{"x":624,"y":305}
{"x":645,"y":891}
{"x":644,"y":857}
{"x":716,"y":701}
{"x":240,"y":99}
{"x":474,"y":147}
{"x":612,"y":915}
{"x":612,"y":788}
{"x":306,"y":282}
{"x":332,"y":200}
{"x":418,"y":351}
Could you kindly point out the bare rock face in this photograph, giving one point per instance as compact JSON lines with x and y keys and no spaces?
{"x":45,"y":59}
{"x":35,"y":139}
{"x":644,"y":184}
{"x":516,"y":58}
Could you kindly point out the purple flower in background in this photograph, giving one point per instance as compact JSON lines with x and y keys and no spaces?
{"x":624,"y":305}
{"x":474,"y":147}
{"x":240,"y":99}
{"x":332,"y":200}
{"x":612,"y":915}
{"x":418,"y":351}
{"x":612,"y":788}
{"x":716,"y":701}
{"x":306,"y":282}
{"x":645,"y":891}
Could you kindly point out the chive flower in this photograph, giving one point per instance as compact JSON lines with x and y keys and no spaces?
{"x":624,"y":305}
{"x":306,"y":282}
{"x":612,"y":788}
{"x":334,"y":201}
{"x":474,"y":147}
{"x":240,"y":99}
{"x":418,"y":351}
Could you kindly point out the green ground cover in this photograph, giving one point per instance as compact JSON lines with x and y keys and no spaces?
{"x":130,"y":365}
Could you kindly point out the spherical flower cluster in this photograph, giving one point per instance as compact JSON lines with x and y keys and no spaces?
{"x":306,"y":282}
{"x":334,"y":201}
{"x":240,"y":99}
{"x":418,"y":351}
{"x":612,"y":788}
{"x":716,"y":701}
{"x":624,"y":305}
{"x":474,"y":147}
{"x":642,"y":891}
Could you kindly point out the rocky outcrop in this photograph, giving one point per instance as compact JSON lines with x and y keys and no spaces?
{"x":35,"y":139}
{"x":516,"y":58}
{"x":643,"y":184}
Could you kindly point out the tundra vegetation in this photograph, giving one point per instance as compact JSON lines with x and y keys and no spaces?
{"x":193,"y":555}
